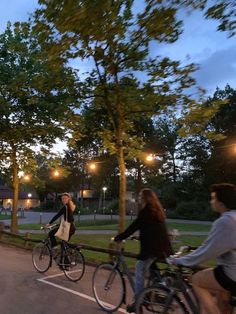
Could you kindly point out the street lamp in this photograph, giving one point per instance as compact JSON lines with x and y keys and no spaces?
{"x":104,"y":196}
{"x":26,"y":177}
{"x":56,"y":173}
{"x":92,"y":166}
{"x":150,"y":157}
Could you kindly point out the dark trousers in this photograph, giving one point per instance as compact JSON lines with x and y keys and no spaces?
{"x":52,"y":234}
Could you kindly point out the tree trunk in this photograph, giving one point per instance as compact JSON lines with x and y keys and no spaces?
{"x":122,"y":191}
{"x":14,"y":222}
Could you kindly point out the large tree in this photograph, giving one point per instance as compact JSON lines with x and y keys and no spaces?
{"x":35,"y":102}
{"x":124,"y":80}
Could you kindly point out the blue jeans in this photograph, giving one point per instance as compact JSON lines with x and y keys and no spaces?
{"x":140,"y":269}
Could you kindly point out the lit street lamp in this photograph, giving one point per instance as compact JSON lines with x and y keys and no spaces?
{"x":104,"y":196}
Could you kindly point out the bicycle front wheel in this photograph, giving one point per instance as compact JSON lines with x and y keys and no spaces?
{"x":108,"y":287}
{"x":159,"y":300}
{"x":41,"y":257}
{"x":74,"y":264}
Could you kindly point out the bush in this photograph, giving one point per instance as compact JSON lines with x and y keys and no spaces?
{"x":112,"y":206}
{"x":198,"y":210}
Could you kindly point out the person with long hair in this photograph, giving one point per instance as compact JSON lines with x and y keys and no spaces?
{"x":153,"y":235}
{"x":67,"y":212}
{"x":220,"y":245}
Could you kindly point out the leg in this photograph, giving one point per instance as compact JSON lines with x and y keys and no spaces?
{"x":203,"y":282}
{"x":141,"y":269}
{"x":51,"y":235}
{"x":139,"y":277}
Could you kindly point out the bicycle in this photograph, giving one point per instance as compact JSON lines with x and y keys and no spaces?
{"x":173,"y":294}
{"x":69,"y":259}
{"x":108,"y":282}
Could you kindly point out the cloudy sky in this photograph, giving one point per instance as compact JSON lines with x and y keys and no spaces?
{"x":200,"y":43}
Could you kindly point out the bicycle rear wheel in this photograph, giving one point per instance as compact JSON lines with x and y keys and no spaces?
{"x":41,"y":257}
{"x":108,"y":287}
{"x":74,"y":264}
{"x":159,"y":299}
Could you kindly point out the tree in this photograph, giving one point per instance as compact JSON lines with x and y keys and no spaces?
{"x":225,"y":12}
{"x":35,"y":102}
{"x":117,"y":42}
{"x":222,"y":162}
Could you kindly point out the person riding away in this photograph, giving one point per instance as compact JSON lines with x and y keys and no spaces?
{"x":67,"y":211}
{"x":220,"y":244}
{"x":153,"y":235}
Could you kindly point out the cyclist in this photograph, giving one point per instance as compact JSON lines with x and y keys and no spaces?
{"x":153,"y":235}
{"x":67,"y":210}
{"x":220,"y":244}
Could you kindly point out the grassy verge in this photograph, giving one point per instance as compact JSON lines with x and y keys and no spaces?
{"x":108,"y":225}
{"x":102,"y":241}
{"x":4,"y":217}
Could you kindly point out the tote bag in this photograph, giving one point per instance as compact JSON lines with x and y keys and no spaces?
{"x":63,"y":231}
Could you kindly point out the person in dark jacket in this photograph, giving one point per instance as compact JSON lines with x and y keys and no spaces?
{"x":67,"y":211}
{"x":153,"y":235}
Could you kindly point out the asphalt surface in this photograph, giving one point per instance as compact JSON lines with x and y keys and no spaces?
{"x":25,"y":291}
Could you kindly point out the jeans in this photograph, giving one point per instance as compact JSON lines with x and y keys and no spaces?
{"x":140,"y":269}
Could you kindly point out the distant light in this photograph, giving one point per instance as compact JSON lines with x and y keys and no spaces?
{"x":29,"y":195}
{"x":104,"y":189}
{"x":150,"y":157}
{"x":92,"y":166}
{"x":56,"y":173}
{"x":26,"y":177}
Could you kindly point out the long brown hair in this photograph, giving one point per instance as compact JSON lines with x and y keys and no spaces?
{"x":150,"y":198}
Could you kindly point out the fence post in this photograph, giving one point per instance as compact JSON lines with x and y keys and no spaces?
{"x":95,"y":215}
{"x":1,"y":229}
{"x":27,"y":238}
{"x":40,"y":218}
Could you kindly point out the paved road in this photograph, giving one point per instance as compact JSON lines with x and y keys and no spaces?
{"x":25,"y":291}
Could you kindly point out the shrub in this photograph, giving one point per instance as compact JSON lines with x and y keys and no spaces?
{"x":199,"y":210}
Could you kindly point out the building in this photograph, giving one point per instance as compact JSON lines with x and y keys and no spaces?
{"x":26,"y":200}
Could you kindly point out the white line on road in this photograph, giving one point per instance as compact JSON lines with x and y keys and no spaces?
{"x":82,"y":295}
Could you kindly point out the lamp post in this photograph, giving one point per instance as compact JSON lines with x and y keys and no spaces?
{"x":104,"y":197}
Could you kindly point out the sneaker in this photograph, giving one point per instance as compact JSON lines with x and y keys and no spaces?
{"x":131,"y":308}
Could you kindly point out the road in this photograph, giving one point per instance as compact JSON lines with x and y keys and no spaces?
{"x":25,"y":291}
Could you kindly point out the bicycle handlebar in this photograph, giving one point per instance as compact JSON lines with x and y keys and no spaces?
{"x":50,"y":227}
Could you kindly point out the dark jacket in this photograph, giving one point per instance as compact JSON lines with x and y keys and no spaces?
{"x":154,"y":239}
{"x":68,"y":216}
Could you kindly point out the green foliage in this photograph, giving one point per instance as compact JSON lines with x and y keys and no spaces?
{"x":198,"y":210}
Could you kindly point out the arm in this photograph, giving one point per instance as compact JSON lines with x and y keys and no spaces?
{"x":71,"y":205}
{"x":130,"y":230}
{"x":218,"y":242}
{"x":59,"y":214}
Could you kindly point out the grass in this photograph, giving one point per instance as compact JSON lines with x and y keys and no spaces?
{"x":4,"y":217}
{"x":112,"y":225}
{"x":102,"y":241}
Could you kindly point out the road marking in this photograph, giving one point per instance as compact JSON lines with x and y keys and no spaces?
{"x":82,"y":295}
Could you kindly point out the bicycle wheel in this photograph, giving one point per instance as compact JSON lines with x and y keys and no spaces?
{"x":108,"y":287}
{"x":74,"y":264}
{"x":41,"y":257}
{"x":159,"y":299}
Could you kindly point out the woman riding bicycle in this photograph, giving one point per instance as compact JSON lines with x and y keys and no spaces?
{"x":154,"y":239}
{"x":67,"y":211}
{"x":220,"y":244}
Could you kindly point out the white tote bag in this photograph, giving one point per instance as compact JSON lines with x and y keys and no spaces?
{"x":63,"y":231}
